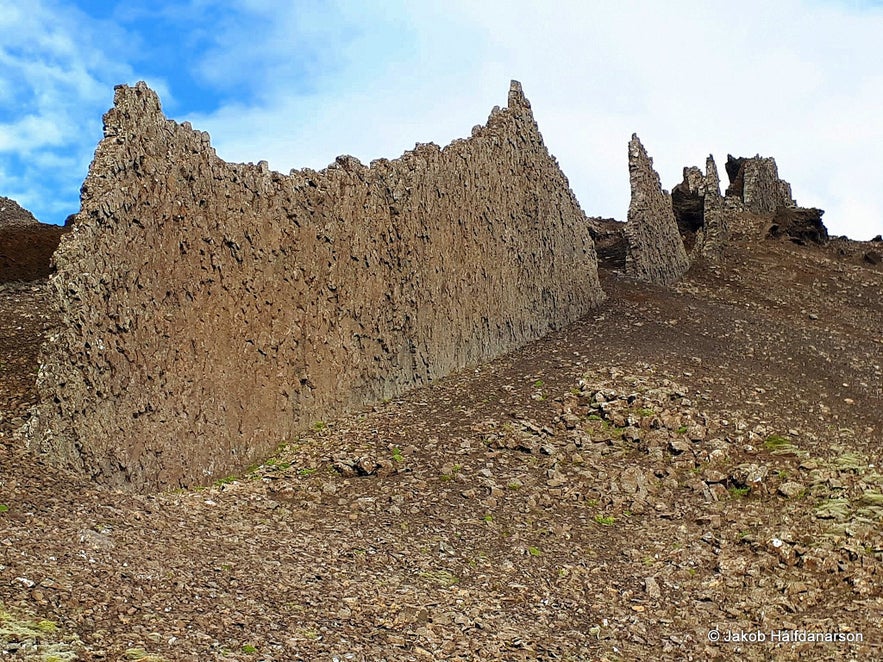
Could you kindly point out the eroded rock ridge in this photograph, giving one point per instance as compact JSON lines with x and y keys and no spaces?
{"x":656,"y":252}
{"x":210,"y":311}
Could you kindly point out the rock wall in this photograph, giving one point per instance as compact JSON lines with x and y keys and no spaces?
{"x":699,"y":209}
{"x":210,"y":311}
{"x":656,"y":253}
{"x":755,"y":181}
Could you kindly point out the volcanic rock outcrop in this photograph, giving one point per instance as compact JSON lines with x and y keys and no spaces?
{"x":26,"y":245}
{"x":799,"y":224}
{"x":755,"y":182}
{"x":12,"y":213}
{"x":699,"y":209}
{"x":656,"y":252}
{"x":755,"y":188}
{"x":211,"y":311}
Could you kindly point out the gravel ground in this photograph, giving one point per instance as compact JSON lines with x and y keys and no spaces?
{"x":679,"y":465}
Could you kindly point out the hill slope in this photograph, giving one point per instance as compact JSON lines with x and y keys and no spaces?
{"x":679,"y":461}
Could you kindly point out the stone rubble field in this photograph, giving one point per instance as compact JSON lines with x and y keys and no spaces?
{"x":677,"y":462}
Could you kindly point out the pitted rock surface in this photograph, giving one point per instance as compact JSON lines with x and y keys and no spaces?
{"x":755,"y":181}
{"x":700,"y":213}
{"x":656,"y":253}
{"x":210,"y":311}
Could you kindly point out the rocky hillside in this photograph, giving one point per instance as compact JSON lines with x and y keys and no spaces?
{"x":26,"y":245}
{"x":679,"y":463}
{"x":686,"y":466}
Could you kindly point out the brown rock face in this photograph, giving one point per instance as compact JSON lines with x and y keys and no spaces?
{"x":756,"y":183}
{"x":656,"y":252}
{"x":26,"y":245}
{"x":699,"y":209}
{"x":611,"y":244}
{"x":800,"y":225}
{"x":210,"y":310}
{"x":687,"y":201}
{"x":26,"y":251}
{"x":11,"y":213}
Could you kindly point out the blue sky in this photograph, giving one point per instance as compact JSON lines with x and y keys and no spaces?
{"x":297,"y":83}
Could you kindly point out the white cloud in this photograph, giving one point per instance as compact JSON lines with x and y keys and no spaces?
{"x":795,"y":80}
{"x":57,"y":67}
{"x":306,"y":81}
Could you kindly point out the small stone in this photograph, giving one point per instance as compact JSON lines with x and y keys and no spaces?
{"x":678,"y":446}
{"x":791,"y":489}
{"x":714,"y":476}
{"x":651,"y":587}
{"x":631,"y":434}
{"x":749,"y":474}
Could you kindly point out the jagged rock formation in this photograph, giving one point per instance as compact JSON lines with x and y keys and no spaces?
{"x":687,"y":202}
{"x":656,"y":252}
{"x":755,"y":182}
{"x":756,"y":190}
{"x":11,"y":213}
{"x":210,"y":311}
{"x":699,"y":209}
{"x":800,"y":225}
{"x":715,"y":232}
{"x":26,"y":245}
{"x":611,"y":244}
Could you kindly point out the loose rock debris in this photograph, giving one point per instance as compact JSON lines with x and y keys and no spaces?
{"x":675,"y":464}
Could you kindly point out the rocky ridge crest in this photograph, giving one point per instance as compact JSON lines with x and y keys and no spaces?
{"x":656,"y":251}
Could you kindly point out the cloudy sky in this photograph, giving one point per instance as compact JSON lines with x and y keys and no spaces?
{"x":298,"y":82}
